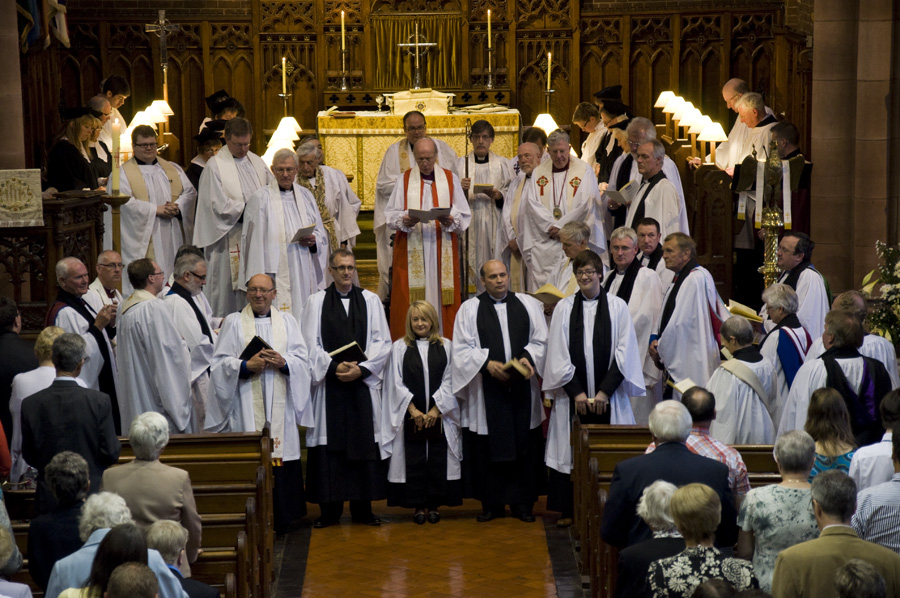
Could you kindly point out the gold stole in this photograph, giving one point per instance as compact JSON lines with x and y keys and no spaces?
{"x":139,"y":186}
{"x":138,"y":296}
{"x":319,"y":193}
{"x":516,"y":265}
{"x":441,"y":196}
{"x":279,"y":386}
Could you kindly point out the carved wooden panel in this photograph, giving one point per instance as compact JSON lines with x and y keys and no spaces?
{"x":532,"y":79}
{"x":544,"y":14}
{"x":414,"y":6}
{"x":700,"y":79}
{"x":288,"y":17}
{"x":601,"y":54}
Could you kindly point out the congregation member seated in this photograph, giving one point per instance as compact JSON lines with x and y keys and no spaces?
{"x":807,"y":570}
{"x":124,"y":543}
{"x":100,"y":513}
{"x":828,"y":422}
{"x":170,"y":539}
{"x":634,"y":561}
{"x":424,"y":470}
{"x":872,"y":464}
{"x":133,"y":580}
{"x":697,"y":510}
{"x":151,"y":490}
{"x":859,"y":579}
{"x":69,"y":161}
{"x":778,"y":516}
{"x":54,"y":535}
{"x":878,"y":508}
{"x":8,"y":549}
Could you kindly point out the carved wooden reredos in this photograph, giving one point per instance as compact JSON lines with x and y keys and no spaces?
{"x":238,"y":44}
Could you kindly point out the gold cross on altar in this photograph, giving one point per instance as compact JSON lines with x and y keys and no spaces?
{"x":417,"y":48}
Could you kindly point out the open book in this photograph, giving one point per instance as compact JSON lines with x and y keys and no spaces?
{"x":548,"y":294}
{"x":349,"y":352}
{"x":432,"y":214}
{"x":255,"y":345}
{"x":739,"y":309}
{"x":624,"y":195}
{"x":303,"y":232}
{"x":682,"y":386}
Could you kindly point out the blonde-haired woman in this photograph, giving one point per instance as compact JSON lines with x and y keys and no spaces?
{"x":697,"y":510}
{"x":69,"y":161}
{"x":420,"y":419}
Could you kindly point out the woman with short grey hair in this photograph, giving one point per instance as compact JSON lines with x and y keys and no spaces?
{"x":634,"y":561}
{"x":149,"y":435}
{"x":778,"y":516}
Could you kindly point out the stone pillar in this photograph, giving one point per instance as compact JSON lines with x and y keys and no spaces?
{"x":12,"y":150}
{"x":854,"y":142}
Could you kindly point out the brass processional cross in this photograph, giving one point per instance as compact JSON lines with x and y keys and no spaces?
{"x":417,"y":47}
{"x":162,"y":27}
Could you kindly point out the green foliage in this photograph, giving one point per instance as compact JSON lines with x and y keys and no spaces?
{"x":884,"y":320}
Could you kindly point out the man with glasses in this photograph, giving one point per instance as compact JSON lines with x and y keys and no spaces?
{"x":228,"y":180}
{"x":252,"y":385}
{"x":344,"y":456}
{"x":196,"y":328}
{"x":154,"y":361}
{"x":593,"y":367}
{"x":397,"y":160}
{"x":484,"y":167}
{"x":794,"y":259}
{"x":104,"y":290}
{"x":159,"y":216}
{"x":273,"y":218}
{"x":73,"y":313}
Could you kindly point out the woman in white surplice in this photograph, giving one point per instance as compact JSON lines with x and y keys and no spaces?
{"x":424,"y":472}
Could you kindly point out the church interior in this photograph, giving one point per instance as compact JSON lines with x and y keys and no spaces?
{"x":831,"y":67}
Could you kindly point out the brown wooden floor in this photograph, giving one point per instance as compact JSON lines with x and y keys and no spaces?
{"x":456,"y":557}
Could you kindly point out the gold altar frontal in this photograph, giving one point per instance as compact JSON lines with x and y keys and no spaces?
{"x":356,"y":145}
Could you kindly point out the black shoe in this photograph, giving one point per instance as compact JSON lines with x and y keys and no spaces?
{"x":526,"y":516}
{"x":419,"y":518}
{"x":434,"y":517}
{"x":367,"y":520}
{"x":488,"y":516}
{"x":321,"y":522}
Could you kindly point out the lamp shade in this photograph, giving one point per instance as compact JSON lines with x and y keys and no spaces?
{"x":664,"y":99}
{"x":274,"y":147}
{"x":286,"y":129}
{"x":141,"y":118}
{"x":163,"y":106}
{"x":291,"y":122}
{"x":682,"y":110}
{"x":688,"y":119}
{"x":545,"y":122}
{"x":673,"y":105}
{"x":713,"y":132}
{"x":154,"y":114}
{"x":698,"y":124}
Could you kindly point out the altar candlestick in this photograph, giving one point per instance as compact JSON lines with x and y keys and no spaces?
{"x":549,"y":68}
{"x":283,"y":76}
{"x":343,"y":33}
{"x":417,"y":48}
{"x":116,"y":134}
{"x":489,"y":29}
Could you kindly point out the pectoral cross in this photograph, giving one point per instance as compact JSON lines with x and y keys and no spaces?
{"x":162,"y":27}
{"x":417,"y":46}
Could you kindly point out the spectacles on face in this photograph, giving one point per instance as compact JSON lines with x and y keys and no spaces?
{"x":146,"y":145}
{"x":418,"y":129}
{"x":158,"y":274}
{"x":116,"y":266}
{"x":198,"y":276}
{"x":256,"y":290}
{"x":583,"y":273}
{"x":236,"y":144}
{"x":284,"y":170}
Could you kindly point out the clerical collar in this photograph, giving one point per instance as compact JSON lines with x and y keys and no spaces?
{"x":586,"y":298}
{"x":288,"y":190}
{"x":481,"y":160}
{"x":555,"y":169}
{"x":428,"y":177}
{"x":142,"y":163}
{"x":265,"y":315}
{"x":502,"y":299}
{"x":656,"y":177}
{"x":528,"y":176}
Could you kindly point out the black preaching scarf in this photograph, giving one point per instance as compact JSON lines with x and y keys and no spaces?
{"x":655,"y":257}
{"x":749,"y":354}
{"x":793,"y":276}
{"x":622,"y":178}
{"x":185,"y":294}
{"x":105,"y":380}
{"x":669,"y":307}
{"x":865,"y":418}
{"x":789,"y":321}
{"x":651,"y":183}
{"x":421,"y":482}
{"x":628,"y":278}
{"x":601,"y":343}
{"x":507,"y":406}
{"x":348,"y":415}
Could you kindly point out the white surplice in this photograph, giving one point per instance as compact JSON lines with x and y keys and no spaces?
{"x":645,"y":307}
{"x":559,"y":371}
{"x":769,"y":349}
{"x":267,"y":233}
{"x":665,"y":275}
{"x":230,"y":407}
{"x":469,"y":357}
{"x":377,"y":350}
{"x":154,"y":364}
{"x":71,"y":321}
{"x":810,"y":377}
{"x":511,"y":222}
{"x":874,"y":346}
{"x":388,"y":175}
{"x":661,"y":203}
{"x":543,"y":255}
{"x":486,"y":214}
{"x":591,"y":143}
{"x":672,"y":175}
{"x":395,"y":402}
{"x":140,"y":224}
{"x":342,"y":203}
{"x":96,"y":288}
{"x":688,"y":347}
{"x":742,"y":416}
{"x":201,"y":348}
{"x":812,"y":298}
{"x":218,"y":212}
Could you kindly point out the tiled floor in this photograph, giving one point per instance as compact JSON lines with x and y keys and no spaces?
{"x":456,"y":557}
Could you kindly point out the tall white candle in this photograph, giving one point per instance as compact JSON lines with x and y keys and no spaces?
{"x":114,"y":151}
{"x":549,"y":68}
{"x":417,"y":46}
{"x":343,"y":33}
{"x":283,"y":76}
{"x":489,"y":29}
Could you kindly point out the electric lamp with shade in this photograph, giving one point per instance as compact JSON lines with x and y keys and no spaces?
{"x":713,"y":133}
